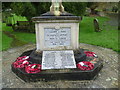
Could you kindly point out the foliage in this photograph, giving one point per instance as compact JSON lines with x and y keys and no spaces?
{"x":77,"y":8}
{"x":41,"y":7}
{"x":93,"y":6}
{"x":6,"y":5}
{"x":24,"y":9}
{"x":31,"y":9}
{"x":12,"y":19}
{"x":89,"y":4}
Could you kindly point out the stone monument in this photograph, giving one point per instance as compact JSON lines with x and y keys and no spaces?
{"x":57,"y":48}
{"x":57,"y":29}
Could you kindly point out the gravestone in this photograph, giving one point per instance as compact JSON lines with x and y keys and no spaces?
{"x":96,"y":25}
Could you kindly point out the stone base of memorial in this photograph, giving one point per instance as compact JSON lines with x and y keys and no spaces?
{"x":58,"y":74}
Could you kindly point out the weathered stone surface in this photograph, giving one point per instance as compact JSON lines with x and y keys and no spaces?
{"x":49,"y":16}
{"x":44,"y":36}
{"x":57,"y":37}
{"x":58,"y":59}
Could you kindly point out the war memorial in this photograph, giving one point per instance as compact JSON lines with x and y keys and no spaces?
{"x":57,"y":54}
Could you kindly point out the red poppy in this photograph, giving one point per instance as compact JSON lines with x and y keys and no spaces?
{"x":20,"y":64}
{"x":85,"y":65}
{"x":90,"y":54}
{"x":23,"y":58}
{"x":33,"y":68}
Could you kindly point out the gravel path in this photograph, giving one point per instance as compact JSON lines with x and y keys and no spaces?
{"x":107,"y":78}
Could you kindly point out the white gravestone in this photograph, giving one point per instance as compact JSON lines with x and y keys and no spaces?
{"x":58,"y":59}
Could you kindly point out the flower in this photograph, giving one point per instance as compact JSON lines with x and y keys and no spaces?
{"x":85,"y":65}
{"x":20,"y":64}
{"x":90,"y":54}
{"x":23,"y":58}
{"x":33,"y":68}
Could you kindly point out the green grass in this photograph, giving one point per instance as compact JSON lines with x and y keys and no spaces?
{"x":21,"y":36}
{"x":6,"y":28}
{"x":6,"y":42}
{"x":105,"y":38}
{"x":26,"y":37}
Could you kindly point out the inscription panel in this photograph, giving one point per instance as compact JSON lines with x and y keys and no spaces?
{"x":57,"y":37}
{"x":58,"y":59}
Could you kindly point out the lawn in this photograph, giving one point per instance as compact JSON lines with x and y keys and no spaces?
{"x":108,"y":37}
{"x":6,"y":42}
{"x":21,"y":38}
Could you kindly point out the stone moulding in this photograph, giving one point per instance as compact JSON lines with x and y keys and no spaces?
{"x":42,"y":18}
{"x":50,"y":16}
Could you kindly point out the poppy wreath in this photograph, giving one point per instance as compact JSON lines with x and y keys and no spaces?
{"x":33,"y":68}
{"x":85,"y":65}
{"x":90,"y":54}
{"x":20,"y":64}
{"x":23,"y":58}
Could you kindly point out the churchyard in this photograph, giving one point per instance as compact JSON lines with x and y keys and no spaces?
{"x":57,"y":49}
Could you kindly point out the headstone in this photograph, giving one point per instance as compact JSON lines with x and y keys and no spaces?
{"x":96,"y":25}
{"x":58,"y":59}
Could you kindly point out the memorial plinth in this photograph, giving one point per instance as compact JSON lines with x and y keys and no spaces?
{"x":57,"y":32}
{"x":60,"y":74}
